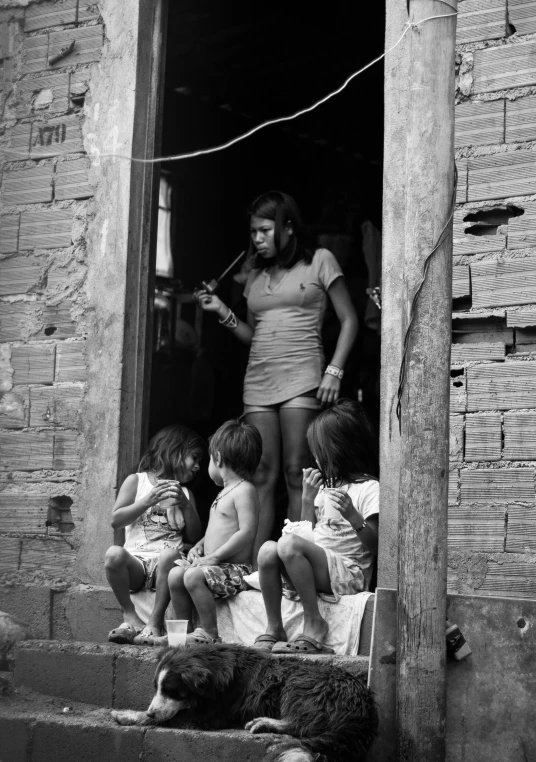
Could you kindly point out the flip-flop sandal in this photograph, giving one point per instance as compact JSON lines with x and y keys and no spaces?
{"x":265,"y":642}
{"x":124,"y":634}
{"x":199,"y":637}
{"x":302,"y":644}
{"x":150,"y":636}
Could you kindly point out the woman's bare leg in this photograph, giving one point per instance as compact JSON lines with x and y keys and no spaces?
{"x":265,"y":478}
{"x":271,"y":588}
{"x":307,"y":567}
{"x":296,"y":456}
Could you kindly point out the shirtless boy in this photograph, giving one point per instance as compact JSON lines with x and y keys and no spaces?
{"x":217,"y":564}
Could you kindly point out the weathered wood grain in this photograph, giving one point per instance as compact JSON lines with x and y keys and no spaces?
{"x":456,"y":429}
{"x":40,"y":16}
{"x":520,"y":120}
{"x":505,"y":282}
{"x":479,"y":123}
{"x":479,"y":529}
{"x":510,"y":580}
{"x":27,"y":186}
{"x":18,"y":275}
{"x":483,"y":437}
{"x":67,"y":450}
{"x":71,"y":361}
{"x":45,"y":229}
{"x":521,"y":318}
{"x":23,"y":513}
{"x":26,"y":451}
{"x":522,"y":14}
{"x":480,"y":20}
{"x":522,"y":230}
{"x":10,"y":550}
{"x":458,"y":394}
{"x":33,"y":364}
{"x":506,"y":66}
{"x":501,"y":386}
{"x":72,"y":180}
{"x":521,"y":530}
{"x":498,"y":485}
{"x":501,"y":175}
{"x":519,"y":436}
{"x":464,"y":353}
{"x":9,"y":233}
{"x":55,"y":406}
{"x":464,"y":243}
{"x":55,"y":87}
{"x":461,"y":282}
{"x":52,"y":555}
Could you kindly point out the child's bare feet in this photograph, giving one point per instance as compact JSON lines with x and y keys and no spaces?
{"x":130,"y":617}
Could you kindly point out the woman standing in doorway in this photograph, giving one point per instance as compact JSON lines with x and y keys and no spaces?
{"x":287,"y":380}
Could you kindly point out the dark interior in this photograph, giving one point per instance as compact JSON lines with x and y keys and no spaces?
{"x":229,"y":67}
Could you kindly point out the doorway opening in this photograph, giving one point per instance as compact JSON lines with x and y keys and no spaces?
{"x":228,"y":68}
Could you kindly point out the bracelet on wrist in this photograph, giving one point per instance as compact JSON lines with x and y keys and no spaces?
{"x":231,"y":321}
{"x":332,"y":370}
{"x":363,"y":525}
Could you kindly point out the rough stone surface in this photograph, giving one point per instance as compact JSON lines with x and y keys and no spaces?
{"x":134,"y":677}
{"x":30,"y":604}
{"x":91,"y":612}
{"x":55,"y":742}
{"x":12,"y":631}
{"x":14,"y":739}
{"x":163,"y":745}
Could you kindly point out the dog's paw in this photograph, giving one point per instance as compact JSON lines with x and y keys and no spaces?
{"x":266,"y":725}
{"x":129,"y":717}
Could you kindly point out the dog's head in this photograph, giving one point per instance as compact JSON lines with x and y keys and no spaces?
{"x":185,"y":676}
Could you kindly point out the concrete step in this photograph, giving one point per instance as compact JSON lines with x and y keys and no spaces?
{"x":39,"y":728}
{"x":111,"y":676}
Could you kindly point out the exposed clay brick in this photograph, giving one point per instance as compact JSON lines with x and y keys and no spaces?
{"x":522,"y":14}
{"x":87,"y":49}
{"x":33,"y":364}
{"x":522,"y":230}
{"x":134,"y":679}
{"x":18,"y":275}
{"x":23,"y":513}
{"x":502,"y":175}
{"x":28,"y":186}
{"x":34,"y":54}
{"x":56,"y":321}
{"x":66,"y":451}
{"x":42,"y":15}
{"x":481,"y":20}
{"x":55,"y":405}
{"x":456,"y":429}
{"x":458,"y":394}
{"x":521,"y":119}
{"x":492,"y":485}
{"x":5,"y":50}
{"x":461,"y":282}
{"x":62,"y":742}
{"x":30,"y":604}
{"x":521,"y":530}
{"x":10,"y":550}
{"x":506,"y":66}
{"x":478,"y":529}
{"x":521,"y":318}
{"x":520,"y":436}
{"x":467,"y":352}
{"x":461,"y":188}
{"x":466,"y":244}
{"x":510,"y":580}
{"x":483,"y":437}
{"x":9,"y":233}
{"x":71,"y":361}
{"x":72,"y":180}
{"x":87,"y":11}
{"x":479,"y":123}
{"x":14,"y":739}
{"x":18,"y":143}
{"x":45,"y":229}
{"x":49,"y":94}
{"x":26,"y":451}
{"x":505,"y":282}
{"x":501,"y":386}
{"x":14,"y":408}
{"x":52,"y":555}
{"x":57,"y":136}
{"x":15,"y":321}
{"x":49,"y":668}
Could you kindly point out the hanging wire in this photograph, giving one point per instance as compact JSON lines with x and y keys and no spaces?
{"x":407,"y":337}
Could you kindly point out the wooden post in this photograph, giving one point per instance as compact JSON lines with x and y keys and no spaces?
{"x":422,"y":521}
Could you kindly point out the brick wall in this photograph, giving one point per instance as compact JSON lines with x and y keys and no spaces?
{"x":63,"y":223}
{"x":492,"y":497}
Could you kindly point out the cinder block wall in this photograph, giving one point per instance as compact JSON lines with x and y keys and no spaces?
{"x":63,"y":236}
{"x":492,"y":509}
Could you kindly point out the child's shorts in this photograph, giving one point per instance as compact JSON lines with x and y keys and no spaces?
{"x":224,"y":580}
{"x":150,"y":567}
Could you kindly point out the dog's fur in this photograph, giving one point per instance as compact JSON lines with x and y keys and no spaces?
{"x":213,"y":687}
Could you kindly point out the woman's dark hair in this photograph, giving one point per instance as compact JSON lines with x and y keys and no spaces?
{"x":283,"y":210}
{"x":168,"y":448}
{"x":344,"y":443}
{"x":239,"y":445}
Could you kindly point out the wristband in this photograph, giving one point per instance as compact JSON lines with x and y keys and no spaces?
{"x":231,"y":321}
{"x":363,"y":525}
{"x":332,"y":370}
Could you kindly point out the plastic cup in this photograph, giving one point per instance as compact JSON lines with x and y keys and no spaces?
{"x":169,"y":502}
{"x":176,"y":630}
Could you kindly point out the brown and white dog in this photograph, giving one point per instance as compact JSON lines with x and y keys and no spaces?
{"x":329,"y":713}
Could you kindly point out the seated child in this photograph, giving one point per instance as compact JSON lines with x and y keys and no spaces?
{"x":155,"y":531}
{"x":340,"y":499}
{"x":216,"y":566}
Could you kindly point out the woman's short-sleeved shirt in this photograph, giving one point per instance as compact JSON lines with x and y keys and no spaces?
{"x":286,"y":357}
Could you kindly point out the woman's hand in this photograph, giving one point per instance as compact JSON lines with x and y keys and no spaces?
{"x":196,"y":552}
{"x":211,"y":303}
{"x":329,"y":390}
{"x":312,"y":479}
